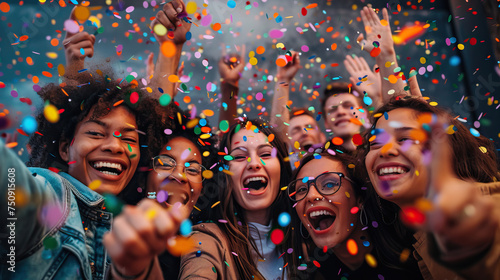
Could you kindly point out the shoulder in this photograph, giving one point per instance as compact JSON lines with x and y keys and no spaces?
{"x":208,"y":233}
{"x":489,"y":188}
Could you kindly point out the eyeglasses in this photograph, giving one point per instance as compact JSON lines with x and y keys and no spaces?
{"x":326,"y":184}
{"x":165,"y":165}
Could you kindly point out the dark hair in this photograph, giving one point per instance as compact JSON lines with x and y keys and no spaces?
{"x":76,"y":102}
{"x":334,"y":89}
{"x":182,"y":124}
{"x":469,"y":162}
{"x":389,"y":239}
{"x":299,"y":112}
{"x":236,"y":228}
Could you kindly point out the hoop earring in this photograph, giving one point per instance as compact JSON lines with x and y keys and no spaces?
{"x":363,"y":218}
{"x":302,"y":234}
{"x":382,"y":213}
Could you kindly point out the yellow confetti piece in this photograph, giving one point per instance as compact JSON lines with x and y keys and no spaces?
{"x":191,"y":7}
{"x":417,"y":173}
{"x":348,"y":195}
{"x":450,"y":130}
{"x":196,"y":208}
{"x":215,"y":204}
{"x":95,"y":184}
{"x":150,"y":214}
{"x":370,"y":260}
{"x":433,"y":103}
{"x":205,"y":136}
{"x":460,"y":46}
{"x":384,"y":22}
{"x":296,"y":145}
{"x":51,"y":55}
{"x":82,"y":13}
{"x":51,"y":113}
{"x":192,"y":123}
{"x":206,"y":153}
{"x":483,"y":149}
{"x":208,"y":112}
{"x":284,"y":188}
{"x":351,"y":166}
{"x":207,"y":174}
{"x":160,"y":30}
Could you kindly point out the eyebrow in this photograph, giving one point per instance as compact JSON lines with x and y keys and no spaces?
{"x":404,"y":128}
{"x":105,"y":125}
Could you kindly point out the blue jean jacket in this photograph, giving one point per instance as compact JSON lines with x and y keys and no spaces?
{"x":58,"y":208}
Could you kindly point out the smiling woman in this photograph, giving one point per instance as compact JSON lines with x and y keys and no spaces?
{"x":92,"y":150}
{"x":247,"y":237}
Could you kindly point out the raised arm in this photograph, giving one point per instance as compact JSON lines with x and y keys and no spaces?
{"x":231,"y":67}
{"x":170,"y":27}
{"x":77,"y":46}
{"x":279,"y":112}
{"x":364,"y":80}
{"x":378,"y":33}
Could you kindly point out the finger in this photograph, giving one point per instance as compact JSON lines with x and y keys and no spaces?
{"x":171,"y":13}
{"x":72,"y":16}
{"x":441,"y":168}
{"x":373,"y":17}
{"x":376,"y":70}
{"x":413,"y":84}
{"x":92,"y":39}
{"x":386,"y":16}
{"x":128,"y":237}
{"x":180,"y":71}
{"x":162,"y":18}
{"x":242,"y":53}
{"x":178,"y":6}
{"x":79,"y":37}
{"x":150,"y":64}
{"x":354,"y":81}
{"x":364,"y":18}
{"x":358,"y":65}
{"x":363,"y":65}
{"x":142,"y":226}
{"x":114,"y":248}
{"x":348,"y":64}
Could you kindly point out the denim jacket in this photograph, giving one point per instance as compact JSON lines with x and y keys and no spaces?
{"x":56,"y":207}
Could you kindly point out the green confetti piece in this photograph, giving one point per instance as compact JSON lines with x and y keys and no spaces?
{"x":113,"y":204}
{"x":449,"y":18}
{"x":213,"y":269}
{"x":132,"y":156}
{"x":50,"y":243}
{"x":129,"y":148}
{"x":262,"y":162}
{"x":228,"y":157}
{"x":165,"y":99}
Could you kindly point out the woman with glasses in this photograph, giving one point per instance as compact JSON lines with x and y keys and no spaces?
{"x":182,"y":155}
{"x":339,"y":224}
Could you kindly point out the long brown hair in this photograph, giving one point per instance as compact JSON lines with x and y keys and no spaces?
{"x":469,"y":162}
{"x":388,"y":239}
{"x":236,"y":228}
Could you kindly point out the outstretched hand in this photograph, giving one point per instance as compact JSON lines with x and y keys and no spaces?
{"x":378,"y":32}
{"x":364,"y":79}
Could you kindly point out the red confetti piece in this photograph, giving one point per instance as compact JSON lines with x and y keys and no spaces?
{"x":375,"y":52}
{"x":412,"y":216}
{"x":304,"y":11}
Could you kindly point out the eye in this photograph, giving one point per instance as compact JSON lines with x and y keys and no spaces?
{"x":330,"y":185}
{"x":193,"y":170}
{"x":94,"y":133}
{"x":265,"y":155}
{"x":132,"y":140}
{"x":239,"y":158}
{"x":403,"y":139}
{"x":301,"y":189}
{"x":374,"y":145}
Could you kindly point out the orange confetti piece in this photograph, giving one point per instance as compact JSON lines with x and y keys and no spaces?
{"x":270,"y":138}
{"x":168,"y":49}
{"x":216,"y":26}
{"x":393,"y":79}
{"x":4,"y":7}
{"x":260,"y":50}
{"x":23,"y":38}
{"x":313,"y":5}
{"x":208,"y":112}
{"x":337,"y":141}
{"x":418,"y":134}
{"x":333,"y":46}
{"x":11,"y":145}
{"x":356,"y":121}
{"x":386,"y":148}
{"x":352,"y":247}
{"x":424,"y":118}
{"x":118,"y":103}
{"x":47,"y":74}
{"x":54,"y":42}
{"x":29,"y":60}
{"x":281,"y":62}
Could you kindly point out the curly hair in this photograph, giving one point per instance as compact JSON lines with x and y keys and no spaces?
{"x":97,"y":97}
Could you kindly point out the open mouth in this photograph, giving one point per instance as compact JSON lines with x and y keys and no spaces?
{"x":339,"y":122}
{"x":321,"y":220}
{"x":173,"y":198}
{"x":255,"y":184}
{"x":108,"y":168}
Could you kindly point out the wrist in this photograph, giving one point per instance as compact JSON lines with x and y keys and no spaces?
{"x":129,"y":275}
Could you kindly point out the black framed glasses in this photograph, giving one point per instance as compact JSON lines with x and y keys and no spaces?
{"x":326,"y":184}
{"x":165,"y":165}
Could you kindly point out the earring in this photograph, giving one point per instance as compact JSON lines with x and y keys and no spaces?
{"x":363,"y":218}
{"x":302,"y":234}
{"x":382,"y":213}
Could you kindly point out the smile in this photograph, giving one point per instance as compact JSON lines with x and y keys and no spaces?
{"x":391,"y":172}
{"x":108,"y":168}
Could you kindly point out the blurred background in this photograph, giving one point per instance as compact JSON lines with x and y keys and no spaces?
{"x":454,"y":45}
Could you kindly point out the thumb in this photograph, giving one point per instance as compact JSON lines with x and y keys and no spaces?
{"x":440,"y":168}
{"x":180,"y":71}
{"x":363,"y":43}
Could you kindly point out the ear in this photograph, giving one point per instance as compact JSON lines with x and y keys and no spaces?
{"x":64,"y":150}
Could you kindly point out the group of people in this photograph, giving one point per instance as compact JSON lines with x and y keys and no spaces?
{"x":124,"y":186}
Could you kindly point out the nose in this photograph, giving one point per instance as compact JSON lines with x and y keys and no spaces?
{"x":254,"y":163}
{"x":113,"y":145}
{"x":313,"y":194}
{"x":390,"y":149}
{"x":178,"y":174}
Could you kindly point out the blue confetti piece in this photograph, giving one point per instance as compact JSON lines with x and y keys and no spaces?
{"x":185,"y":228}
{"x":188,"y":35}
{"x":386,"y":116}
{"x":82,"y":51}
{"x":231,"y":4}
{"x":284,"y":219}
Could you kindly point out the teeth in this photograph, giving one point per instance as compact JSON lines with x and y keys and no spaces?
{"x":314,"y":214}
{"x":108,"y":173}
{"x":99,"y":164}
{"x":391,"y":170}
{"x":262,"y":179}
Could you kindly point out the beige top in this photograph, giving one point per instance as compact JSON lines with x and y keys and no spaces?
{"x":211,"y":258}
{"x":486,"y":267}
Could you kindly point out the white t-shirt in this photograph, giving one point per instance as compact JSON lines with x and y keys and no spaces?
{"x":270,"y":267}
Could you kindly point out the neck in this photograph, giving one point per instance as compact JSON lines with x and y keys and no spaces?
{"x":348,"y":145}
{"x":258,"y":216}
{"x":353,"y":262}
